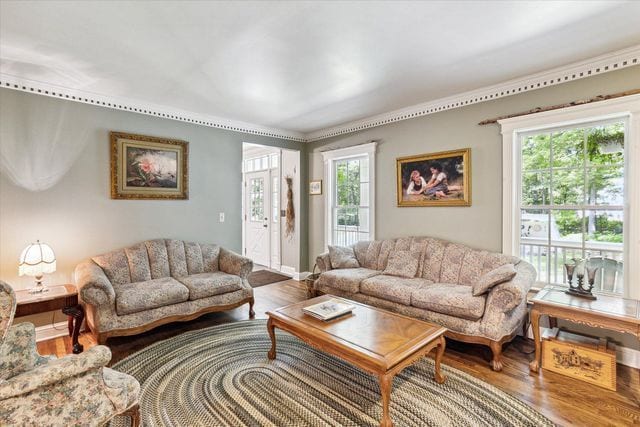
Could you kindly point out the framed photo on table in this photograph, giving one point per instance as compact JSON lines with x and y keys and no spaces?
{"x":147,"y":167}
{"x":435,"y":179}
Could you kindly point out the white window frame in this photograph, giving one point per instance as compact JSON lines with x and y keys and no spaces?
{"x":329,"y":157}
{"x":627,"y":108}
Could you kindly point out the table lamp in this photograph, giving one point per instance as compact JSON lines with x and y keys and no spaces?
{"x":36,"y":260}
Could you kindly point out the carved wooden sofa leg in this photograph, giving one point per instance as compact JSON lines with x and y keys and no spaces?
{"x":252,"y":314}
{"x":134,"y":414}
{"x":496,"y":350}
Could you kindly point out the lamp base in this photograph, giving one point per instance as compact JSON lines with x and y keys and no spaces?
{"x":39,"y":287}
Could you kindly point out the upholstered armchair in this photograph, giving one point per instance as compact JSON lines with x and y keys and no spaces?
{"x":45,"y":391}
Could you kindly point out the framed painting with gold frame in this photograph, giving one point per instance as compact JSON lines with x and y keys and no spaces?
{"x":147,"y":167}
{"x":435,"y":179}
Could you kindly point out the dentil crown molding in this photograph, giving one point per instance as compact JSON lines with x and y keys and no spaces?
{"x":599,"y":65}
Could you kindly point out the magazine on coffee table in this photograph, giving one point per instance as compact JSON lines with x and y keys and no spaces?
{"x":329,"y":309}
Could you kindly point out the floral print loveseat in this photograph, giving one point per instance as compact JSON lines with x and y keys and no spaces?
{"x":132,"y":290}
{"x":441,"y":290}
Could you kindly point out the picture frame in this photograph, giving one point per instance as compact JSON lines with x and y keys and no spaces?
{"x":315,"y":188}
{"x":148,"y":167}
{"x":434,"y":179}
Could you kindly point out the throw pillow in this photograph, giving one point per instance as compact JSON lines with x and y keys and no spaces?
{"x":403,"y":263}
{"x":343,"y":257}
{"x":494,"y":277}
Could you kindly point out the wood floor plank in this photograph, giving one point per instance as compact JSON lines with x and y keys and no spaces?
{"x":565,"y":401}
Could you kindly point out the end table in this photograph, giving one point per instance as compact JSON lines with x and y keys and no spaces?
{"x":58,"y":297}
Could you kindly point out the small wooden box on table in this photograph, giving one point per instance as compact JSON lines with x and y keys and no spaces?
{"x":377,"y":341}
{"x":58,"y":297}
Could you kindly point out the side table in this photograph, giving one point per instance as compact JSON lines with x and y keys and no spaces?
{"x":607,"y":312}
{"x":58,"y":297}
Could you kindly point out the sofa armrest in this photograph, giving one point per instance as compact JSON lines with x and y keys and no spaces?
{"x":55,"y":371}
{"x":233,"y":263}
{"x":507,"y":296}
{"x":93,"y":285}
{"x":323,"y":262}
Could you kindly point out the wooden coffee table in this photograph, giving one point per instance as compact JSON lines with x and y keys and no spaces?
{"x":377,"y":341}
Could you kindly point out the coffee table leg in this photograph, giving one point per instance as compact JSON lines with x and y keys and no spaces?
{"x":272,"y":335}
{"x":386,"y":381}
{"x":534,"y":366}
{"x":442,"y":344}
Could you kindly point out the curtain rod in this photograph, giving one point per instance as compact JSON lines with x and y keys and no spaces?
{"x":557,"y":107}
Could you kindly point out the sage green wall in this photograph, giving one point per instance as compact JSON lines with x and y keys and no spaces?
{"x":479,"y":225}
{"x":77,"y":216}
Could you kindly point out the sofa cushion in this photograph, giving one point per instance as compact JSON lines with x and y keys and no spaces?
{"x":210,"y":255}
{"x":205,"y":285}
{"x":432,"y":261}
{"x":193,"y":255}
{"x":403,"y":263}
{"x":115,"y":265}
{"x":346,"y":279}
{"x":343,"y":257}
{"x":452,"y":262}
{"x":138,"y":263}
{"x":142,"y":296}
{"x":452,"y":299}
{"x":494,"y":277}
{"x":392,"y":288}
{"x":177,"y":258}
{"x":158,"y":258}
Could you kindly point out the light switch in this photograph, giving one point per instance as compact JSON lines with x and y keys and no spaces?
{"x":221,"y":216}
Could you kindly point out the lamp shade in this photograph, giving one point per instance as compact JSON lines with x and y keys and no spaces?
{"x":37,"y":259}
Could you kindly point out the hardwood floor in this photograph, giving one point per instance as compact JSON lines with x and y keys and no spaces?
{"x":565,"y":401}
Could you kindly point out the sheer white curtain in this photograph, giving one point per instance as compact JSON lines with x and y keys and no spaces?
{"x":40,"y":139}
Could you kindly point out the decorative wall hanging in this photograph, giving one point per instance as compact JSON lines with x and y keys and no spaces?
{"x":437,"y":179}
{"x":290,"y":215}
{"x":146,"y":167}
{"x":315,"y":188}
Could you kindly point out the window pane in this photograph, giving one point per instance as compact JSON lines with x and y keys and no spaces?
{"x":568,"y":148}
{"x":605,"y":144}
{"x":274,"y":160}
{"x":566,"y":227}
{"x":605,"y":185}
{"x":536,"y":152}
{"x":535,"y":188}
{"x":568,"y":186}
{"x":604,"y":229}
{"x":256,"y":197}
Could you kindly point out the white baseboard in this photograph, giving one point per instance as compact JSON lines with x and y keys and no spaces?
{"x":624,"y":355}
{"x":51,"y":331}
{"x":296,"y":275}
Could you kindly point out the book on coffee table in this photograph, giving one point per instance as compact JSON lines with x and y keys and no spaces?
{"x":329,"y":309}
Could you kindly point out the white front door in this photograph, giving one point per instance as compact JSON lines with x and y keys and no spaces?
{"x":257,"y":215}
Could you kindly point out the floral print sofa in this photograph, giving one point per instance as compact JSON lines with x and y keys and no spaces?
{"x":132,"y":290}
{"x":442,"y":289}
{"x":74,"y":390}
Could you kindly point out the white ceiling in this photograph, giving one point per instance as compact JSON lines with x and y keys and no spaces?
{"x":301,"y":66}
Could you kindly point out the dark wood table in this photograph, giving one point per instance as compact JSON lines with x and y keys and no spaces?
{"x":606,"y":312}
{"x":58,"y":297}
{"x":375,"y":340}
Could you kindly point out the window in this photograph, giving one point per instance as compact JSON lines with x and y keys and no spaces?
{"x":572,"y":201}
{"x":571,"y":190}
{"x":349,"y":174}
{"x":256,"y":197}
{"x":275,"y":199}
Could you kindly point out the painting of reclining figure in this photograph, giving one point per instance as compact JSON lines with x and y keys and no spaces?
{"x":436,"y":179}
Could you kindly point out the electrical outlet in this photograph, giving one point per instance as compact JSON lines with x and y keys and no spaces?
{"x":221,"y":217}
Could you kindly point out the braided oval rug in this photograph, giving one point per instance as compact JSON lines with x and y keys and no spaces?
{"x":220,"y":376}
